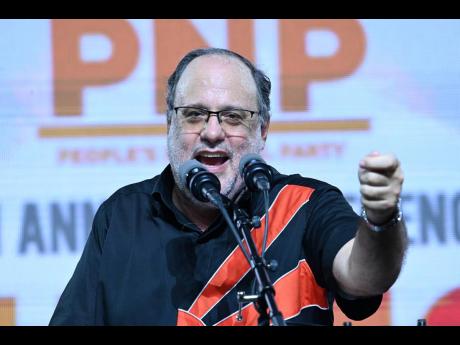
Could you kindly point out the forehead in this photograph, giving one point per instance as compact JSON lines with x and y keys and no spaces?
{"x":214,"y":78}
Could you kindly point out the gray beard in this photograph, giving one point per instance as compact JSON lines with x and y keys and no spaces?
{"x":230,"y":187}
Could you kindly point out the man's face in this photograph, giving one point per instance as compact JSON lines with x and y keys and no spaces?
{"x":215,"y":83}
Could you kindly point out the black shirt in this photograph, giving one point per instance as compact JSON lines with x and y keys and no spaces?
{"x":145,"y":263}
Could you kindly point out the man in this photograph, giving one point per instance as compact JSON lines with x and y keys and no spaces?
{"x":158,"y":256}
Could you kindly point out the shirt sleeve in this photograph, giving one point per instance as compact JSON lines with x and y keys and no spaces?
{"x":331,"y":224}
{"x":77,"y":304}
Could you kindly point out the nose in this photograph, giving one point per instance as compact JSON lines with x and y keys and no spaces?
{"x":212,"y":130}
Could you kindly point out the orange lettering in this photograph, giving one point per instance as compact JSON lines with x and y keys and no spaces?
{"x":150,"y":153}
{"x":241,"y":37}
{"x":173,"y":39}
{"x":71,"y":74}
{"x":299,"y":70}
{"x":7,"y":311}
{"x":69,"y":155}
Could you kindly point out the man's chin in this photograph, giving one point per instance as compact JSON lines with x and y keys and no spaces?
{"x":194,"y":201}
{"x":231,"y":187}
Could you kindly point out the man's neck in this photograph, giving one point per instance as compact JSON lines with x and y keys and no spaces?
{"x":202,"y":216}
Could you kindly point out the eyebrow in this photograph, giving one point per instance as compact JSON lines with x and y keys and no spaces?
{"x":202,"y":106}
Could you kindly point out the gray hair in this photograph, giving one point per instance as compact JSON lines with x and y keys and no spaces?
{"x":262,"y":82}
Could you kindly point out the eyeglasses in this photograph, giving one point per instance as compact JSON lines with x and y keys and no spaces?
{"x":232,"y":121}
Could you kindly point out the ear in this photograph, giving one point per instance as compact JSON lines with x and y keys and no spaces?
{"x":264,"y":130}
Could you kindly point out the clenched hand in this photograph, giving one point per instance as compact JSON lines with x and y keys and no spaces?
{"x":381,"y":180}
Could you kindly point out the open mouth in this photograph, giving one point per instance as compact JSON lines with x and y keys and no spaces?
{"x":212,"y":159}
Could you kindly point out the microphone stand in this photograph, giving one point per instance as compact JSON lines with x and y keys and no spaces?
{"x":265,"y":299}
{"x":205,"y":187}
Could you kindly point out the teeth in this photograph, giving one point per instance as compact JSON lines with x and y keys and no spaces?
{"x":213,"y":155}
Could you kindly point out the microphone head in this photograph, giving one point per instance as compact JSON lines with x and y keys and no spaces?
{"x":248,"y":158}
{"x":255,"y":172}
{"x":185,"y":169}
{"x":198,"y":180}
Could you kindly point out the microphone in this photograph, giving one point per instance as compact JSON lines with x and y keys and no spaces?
{"x":204,"y":186}
{"x":256,"y":173}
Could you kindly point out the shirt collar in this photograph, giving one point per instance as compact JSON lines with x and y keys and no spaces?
{"x":162,"y":201}
{"x":163,"y":187}
{"x":162,"y":192}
